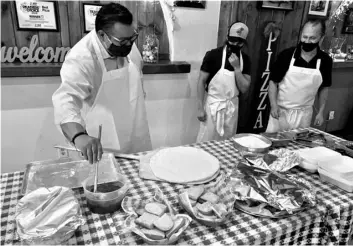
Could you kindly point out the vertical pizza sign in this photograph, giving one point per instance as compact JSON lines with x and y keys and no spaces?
{"x":261,"y":109}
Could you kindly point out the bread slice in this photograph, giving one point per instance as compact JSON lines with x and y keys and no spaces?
{"x":146,"y":220}
{"x":210,"y":197}
{"x":156,"y":208}
{"x":205,"y":208}
{"x":178,"y":223}
{"x":140,"y":211}
{"x":220,"y":209}
{"x":192,"y":202}
{"x":153,"y":234}
{"x":164,"y":223}
{"x":195,"y":192}
{"x":207,"y":217}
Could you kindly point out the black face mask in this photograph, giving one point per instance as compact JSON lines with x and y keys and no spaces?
{"x":307,"y":47}
{"x":234,"y":48}
{"x":121,"y":51}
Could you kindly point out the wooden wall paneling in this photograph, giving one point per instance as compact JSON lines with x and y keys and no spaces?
{"x":64,"y":24}
{"x":7,"y":34}
{"x":162,"y":28}
{"x":23,"y":38}
{"x":224,"y":21}
{"x":75,"y":29}
{"x":291,"y":26}
{"x":250,"y":15}
{"x":51,"y":39}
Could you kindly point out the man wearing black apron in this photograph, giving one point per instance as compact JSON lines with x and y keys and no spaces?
{"x":296,"y":77}
{"x":225,"y":72}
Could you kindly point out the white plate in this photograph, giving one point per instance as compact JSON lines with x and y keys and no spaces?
{"x":184,"y":165}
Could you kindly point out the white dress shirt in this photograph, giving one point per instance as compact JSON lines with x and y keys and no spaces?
{"x":81,"y":77}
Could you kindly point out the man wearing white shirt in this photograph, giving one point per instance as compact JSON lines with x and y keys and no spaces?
{"x":102,"y":85}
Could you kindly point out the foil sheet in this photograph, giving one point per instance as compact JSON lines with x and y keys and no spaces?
{"x":285,"y":160}
{"x":48,"y":216}
{"x":270,"y":193}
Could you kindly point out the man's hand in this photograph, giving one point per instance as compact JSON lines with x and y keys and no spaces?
{"x":234,"y":61}
{"x":90,"y":147}
{"x":319,"y":119}
{"x":201,"y":114}
{"x":275,"y":111}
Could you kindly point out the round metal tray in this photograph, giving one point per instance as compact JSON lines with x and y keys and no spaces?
{"x":247,"y":149}
{"x":241,"y":208}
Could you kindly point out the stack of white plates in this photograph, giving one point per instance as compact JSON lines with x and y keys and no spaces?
{"x":184,"y":165}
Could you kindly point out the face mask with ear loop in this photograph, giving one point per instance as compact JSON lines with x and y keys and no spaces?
{"x":124,"y":49}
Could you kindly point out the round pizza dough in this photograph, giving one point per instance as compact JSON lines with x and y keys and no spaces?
{"x":184,"y":164}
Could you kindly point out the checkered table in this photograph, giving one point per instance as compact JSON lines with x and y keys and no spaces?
{"x":330,"y":222}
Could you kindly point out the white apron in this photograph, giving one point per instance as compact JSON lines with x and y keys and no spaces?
{"x":221,"y":105}
{"x":296,"y":96}
{"x":120,"y":108}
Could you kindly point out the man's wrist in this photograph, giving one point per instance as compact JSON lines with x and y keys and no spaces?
{"x":237,"y":70}
{"x":77,"y":135}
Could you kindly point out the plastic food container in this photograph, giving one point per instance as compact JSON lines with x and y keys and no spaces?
{"x":311,"y":157}
{"x":335,"y":179}
{"x":109,"y":193}
{"x":343,"y":167}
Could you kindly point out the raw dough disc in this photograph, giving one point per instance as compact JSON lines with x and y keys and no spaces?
{"x":184,"y":164}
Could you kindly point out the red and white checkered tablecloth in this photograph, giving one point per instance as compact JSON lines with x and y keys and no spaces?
{"x":330,"y":222}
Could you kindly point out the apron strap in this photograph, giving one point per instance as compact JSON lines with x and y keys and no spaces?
{"x":292,"y":60}
{"x":224,"y":55}
{"x":318,"y":64}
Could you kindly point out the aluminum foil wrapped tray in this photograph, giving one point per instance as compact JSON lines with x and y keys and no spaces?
{"x":48,"y":216}
{"x":270,"y":194}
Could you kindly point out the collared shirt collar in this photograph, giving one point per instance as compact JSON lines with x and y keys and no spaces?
{"x":104,"y":52}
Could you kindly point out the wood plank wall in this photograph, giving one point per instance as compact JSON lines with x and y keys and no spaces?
{"x":147,"y":13}
{"x":255,"y":17}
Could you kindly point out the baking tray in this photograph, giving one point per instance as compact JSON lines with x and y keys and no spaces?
{"x":66,"y":172}
{"x":243,"y":209}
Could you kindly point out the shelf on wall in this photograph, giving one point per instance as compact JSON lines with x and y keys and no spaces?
{"x":53,"y":69}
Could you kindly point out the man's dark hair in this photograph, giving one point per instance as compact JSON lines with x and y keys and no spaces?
{"x":110,"y":14}
{"x":315,"y":22}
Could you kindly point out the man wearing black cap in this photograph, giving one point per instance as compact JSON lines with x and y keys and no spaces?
{"x":225,"y":72}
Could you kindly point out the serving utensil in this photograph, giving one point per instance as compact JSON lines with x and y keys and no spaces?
{"x":96,"y":171}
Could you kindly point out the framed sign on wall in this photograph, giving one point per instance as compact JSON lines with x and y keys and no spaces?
{"x":36,"y":15}
{"x":280,"y":5}
{"x":319,"y":8}
{"x":89,"y":15}
{"x":191,"y":4}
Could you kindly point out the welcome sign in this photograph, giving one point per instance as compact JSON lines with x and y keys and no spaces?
{"x":33,"y":53}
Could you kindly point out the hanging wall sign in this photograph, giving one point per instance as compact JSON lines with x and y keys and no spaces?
{"x":261,"y":110}
{"x":33,"y":53}
{"x":89,"y":14}
{"x":37,"y":15}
